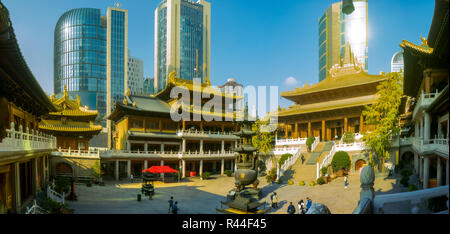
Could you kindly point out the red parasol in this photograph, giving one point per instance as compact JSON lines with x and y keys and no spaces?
{"x":160,"y":169}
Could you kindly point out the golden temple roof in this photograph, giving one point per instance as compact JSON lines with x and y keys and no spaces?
{"x":205,"y":87}
{"x":70,"y":126}
{"x":330,"y":105}
{"x":424,"y":48}
{"x":67,"y":107}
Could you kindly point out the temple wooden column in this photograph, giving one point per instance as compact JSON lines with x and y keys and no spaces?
{"x":184,"y":125}
{"x":361,"y":124}
{"x":296,"y":131}
{"x":309,"y":129}
{"x":285,"y":130}
{"x":345,"y":125}
{"x":324,"y":136}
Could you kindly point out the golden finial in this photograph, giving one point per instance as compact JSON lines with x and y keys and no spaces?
{"x":65,"y":91}
{"x":78,"y":100}
{"x":127,"y":93}
{"x":134,"y":103}
{"x":125,"y":100}
{"x":424,"y":41}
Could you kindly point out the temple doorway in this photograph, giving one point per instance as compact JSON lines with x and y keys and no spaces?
{"x":358,"y":164}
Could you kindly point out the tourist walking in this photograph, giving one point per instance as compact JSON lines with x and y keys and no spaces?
{"x":170,"y":204}
{"x":131,"y":178}
{"x":308,"y":203}
{"x":175,"y":208}
{"x":291,"y":209}
{"x":275,"y":200}
{"x":271,"y":200}
{"x":345,"y":181}
{"x":303,"y":159}
{"x":301,"y":207}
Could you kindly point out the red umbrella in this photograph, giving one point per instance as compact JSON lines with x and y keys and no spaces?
{"x":160,"y":169}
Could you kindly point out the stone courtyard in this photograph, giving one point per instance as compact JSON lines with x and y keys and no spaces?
{"x":197,"y":196}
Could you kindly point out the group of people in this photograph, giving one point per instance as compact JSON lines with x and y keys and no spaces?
{"x":302,"y":208}
{"x":173,"y":206}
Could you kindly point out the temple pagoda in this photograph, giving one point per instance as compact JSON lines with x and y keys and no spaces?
{"x":72,"y":124}
{"x":333,"y":106}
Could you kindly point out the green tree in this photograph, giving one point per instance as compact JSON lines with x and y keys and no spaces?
{"x":309,"y":141}
{"x":97,"y":171}
{"x":384,"y":116}
{"x":263,"y":138}
{"x":348,"y":138}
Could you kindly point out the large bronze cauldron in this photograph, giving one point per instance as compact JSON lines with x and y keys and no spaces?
{"x":245,"y":176}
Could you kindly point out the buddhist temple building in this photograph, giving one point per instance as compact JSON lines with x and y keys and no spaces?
{"x":333,"y":106}
{"x":426,"y":81}
{"x":146,"y":135}
{"x":24,"y":149}
{"x":72,"y":124}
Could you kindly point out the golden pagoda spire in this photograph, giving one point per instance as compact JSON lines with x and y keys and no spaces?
{"x":65,"y":91}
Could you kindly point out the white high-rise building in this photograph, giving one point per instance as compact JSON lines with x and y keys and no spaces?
{"x":397,"y":64}
{"x":135,"y":75}
{"x":182,"y":40}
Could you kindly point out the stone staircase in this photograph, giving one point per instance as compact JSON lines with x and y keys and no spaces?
{"x":307,"y":171}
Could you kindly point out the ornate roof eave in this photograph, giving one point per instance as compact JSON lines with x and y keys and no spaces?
{"x":174,"y":81}
{"x":416,"y":49}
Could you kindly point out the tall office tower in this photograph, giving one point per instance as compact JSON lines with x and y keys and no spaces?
{"x":80,"y":57}
{"x":135,"y":75}
{"x":149,"y":86}
{"x":116,"y":60}
{"x":336,"y":29}
{"x":182,"y":40}
{"x":397,"y":64}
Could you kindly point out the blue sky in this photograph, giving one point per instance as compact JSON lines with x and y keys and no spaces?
{"x":257,"y":42}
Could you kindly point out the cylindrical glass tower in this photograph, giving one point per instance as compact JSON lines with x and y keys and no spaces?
{"x":80,"y":57}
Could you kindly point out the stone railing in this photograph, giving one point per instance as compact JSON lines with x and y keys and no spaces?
{"x":286,"y":150}
{"x":288,"y":163}
{"x":77,"y":153}
{"x":439,"y":145}
{"x":424,"y":101}
{"x":198,"y":132}
{"x":316,"y":142}
{"x":28,"y":140}
{"x":371,"y":204}
{"x":417,"y":199}
{"x":171,"y":154}
{"x":327,"y":160}
{"x":355,"y":146}
{"x":55,"y":196}
{"x":290,"y":141}
{"x":35,"y":209}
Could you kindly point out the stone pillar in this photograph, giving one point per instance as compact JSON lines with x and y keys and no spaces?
{"x":446,"y":172}
{"x":417,"y":130}
{"x":367,"y":178}
{"x":183,"y":168}
{"x":421,"y":168}
{"x":162,"y":174}
{"x":296,"y":130}
{"x":145,"y":164}
{"x":427,"y":122}
{"x":128,"y":168}
{"x":309,"y":128}
{"x":345,"y":125}
{"x":183,"y":145}
{"x":223,"y":147}
{"x":324,"y":136}
{"x":439,"y":171}
{"x":421,"y":127}
{"x":236,"y":162}
{"x":201,"y":168}
{"x":17,"y":197}
{"x":426,"y":172}
{"x":416,"y":163}
{"x":128,"y":146}
{"x":201,"y":146}
{"x":222,"y":166}
{"x":116,"y":171}
{"x":146,"y":147}
{"x":162,"y":148}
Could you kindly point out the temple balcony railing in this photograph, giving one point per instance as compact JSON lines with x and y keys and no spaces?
{"x":355,"y":146}
{"x":199,"y":133}
{"x":91,"y":153}
{"x":424,"y":101}
{"x":286,"y":150}
{"x":439,"y":146}
{"x":169,"y":154}
{"x":26,"y":140}
{"x":290,"y":141}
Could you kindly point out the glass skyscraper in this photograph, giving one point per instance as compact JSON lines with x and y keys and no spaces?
{"x":397,"y":63}
{"x":336,"y":29}
{"x":80,"y":57}
{"x":182,"y":40}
